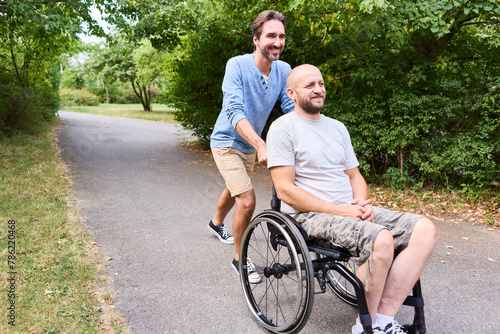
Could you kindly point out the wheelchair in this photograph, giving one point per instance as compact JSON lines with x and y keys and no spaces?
{"x":290,"y":263}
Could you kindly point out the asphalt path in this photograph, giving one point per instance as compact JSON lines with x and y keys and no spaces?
{"x":147,"y":201}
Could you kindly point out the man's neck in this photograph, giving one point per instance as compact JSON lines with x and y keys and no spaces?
{"x":262,"y":63}
{"x":305,"y":114}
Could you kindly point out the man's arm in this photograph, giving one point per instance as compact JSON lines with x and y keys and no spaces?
{"x":360,"y":192}
{"x":303,"y":201}
{"x":246,"y":130}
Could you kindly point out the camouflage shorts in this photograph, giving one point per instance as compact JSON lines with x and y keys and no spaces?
{"x":357,"y":236}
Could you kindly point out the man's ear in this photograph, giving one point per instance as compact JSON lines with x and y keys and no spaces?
{"x":255,"y":41}
{"x":291,"y":94}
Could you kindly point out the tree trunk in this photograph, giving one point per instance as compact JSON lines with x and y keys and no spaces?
{"x":147,"y":100}
{"x":107,"y":93}
{"x":138,"y":93}
{"x":400,"y":155}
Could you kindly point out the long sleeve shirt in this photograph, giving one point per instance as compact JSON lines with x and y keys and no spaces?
{"x":248,"y":95}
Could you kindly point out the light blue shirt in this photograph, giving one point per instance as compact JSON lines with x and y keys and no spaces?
{"x":247,"y":95}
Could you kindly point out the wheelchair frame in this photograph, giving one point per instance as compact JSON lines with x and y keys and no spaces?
{"x":283,"y":301}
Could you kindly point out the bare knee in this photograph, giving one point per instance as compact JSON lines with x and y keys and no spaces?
{"x":424,"y":234}
{"x":383,"y":247}
{"x":246,"y":202}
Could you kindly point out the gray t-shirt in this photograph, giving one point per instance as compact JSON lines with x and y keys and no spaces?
{"x":320,"y":150}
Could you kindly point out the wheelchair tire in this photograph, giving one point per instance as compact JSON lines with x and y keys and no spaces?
{"x":339,"y":284}
{"x":283,"y":300}
{"x":341,"y":287}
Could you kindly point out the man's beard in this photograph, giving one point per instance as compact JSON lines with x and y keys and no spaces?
{"x":309,"y":108}
{"x":267,"y":53}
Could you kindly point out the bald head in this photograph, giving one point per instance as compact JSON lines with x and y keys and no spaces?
{"x":307,"y":90}
{"x":300,"y":74}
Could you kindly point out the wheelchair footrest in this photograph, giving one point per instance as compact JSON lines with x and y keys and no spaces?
{"x":414,"y":301}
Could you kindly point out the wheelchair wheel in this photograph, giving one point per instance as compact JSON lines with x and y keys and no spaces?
{"x":282,"y":301}
{"x":341,"y":287}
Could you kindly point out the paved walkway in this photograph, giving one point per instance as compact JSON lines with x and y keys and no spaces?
{"x":147,"y":202}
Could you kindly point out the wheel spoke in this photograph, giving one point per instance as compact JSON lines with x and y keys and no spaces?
{"x":283,"y":299}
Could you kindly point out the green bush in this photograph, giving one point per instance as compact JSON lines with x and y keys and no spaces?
{"x":117,"y":94}
{"x":79,"y":97}
{"x":393,"y":178}
{"x":26,"y":109}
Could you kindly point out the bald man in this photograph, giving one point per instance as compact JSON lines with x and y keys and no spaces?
{"x":316,"y":175}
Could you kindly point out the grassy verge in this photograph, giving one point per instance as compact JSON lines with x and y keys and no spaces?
{"x":160,"y":113}
{"x":50,"y":267}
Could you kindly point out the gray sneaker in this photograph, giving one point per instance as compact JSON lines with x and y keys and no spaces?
{"x":221,"y":233}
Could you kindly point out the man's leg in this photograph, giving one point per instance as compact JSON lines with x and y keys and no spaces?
{"x":224,"y":205}
{"x":245,"y":206}
{"x":407,"y":267}
{"x":381,"y":259}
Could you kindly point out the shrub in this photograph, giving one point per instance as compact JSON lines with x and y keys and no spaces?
{"x":79,"y":97}
{"x":26,"y":109}
{"x":117,"y":94}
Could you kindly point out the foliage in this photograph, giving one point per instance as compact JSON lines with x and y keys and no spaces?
{"x":33,"y":35}
{"x":414,"y":81}
{"x":24,"y":108}
{"x":116,"y":93}
{"x":415,"y":84}
{"x":137,"y":65}
{"x":163,"y":23}
{"x":79,"y":97}
{"x":148,"y":67}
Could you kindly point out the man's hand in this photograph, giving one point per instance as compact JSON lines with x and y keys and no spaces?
{"x":245,"y":129}
{"x":261,"y":154}
{"x":353,"y":211}
{"x":368,"y":213}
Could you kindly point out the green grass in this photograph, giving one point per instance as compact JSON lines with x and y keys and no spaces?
{"x":160,"y":113}
{"x":60,"y":285}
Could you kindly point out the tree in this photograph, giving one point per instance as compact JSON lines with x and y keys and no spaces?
{"x":100,"y":63}
{"x":414,"y":81}
{"x":33,"y":35}
{"x":148,"y":67}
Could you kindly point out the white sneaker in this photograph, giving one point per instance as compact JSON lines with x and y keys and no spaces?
{"x":253,"y":276}
{"x":221,"y":233}
{"x":394,"y":328}
{"x":376,"y":330}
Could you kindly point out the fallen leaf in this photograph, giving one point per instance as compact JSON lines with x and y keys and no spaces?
{"x":443,"y":261}
{"x":465,"y":238}
{"x":449,"y":247}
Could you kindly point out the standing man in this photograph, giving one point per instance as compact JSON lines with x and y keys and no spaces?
{"x":316,"y":175}
{"x":252,"y":85}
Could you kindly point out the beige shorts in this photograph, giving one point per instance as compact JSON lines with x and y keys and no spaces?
{"x":235,"y":167}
